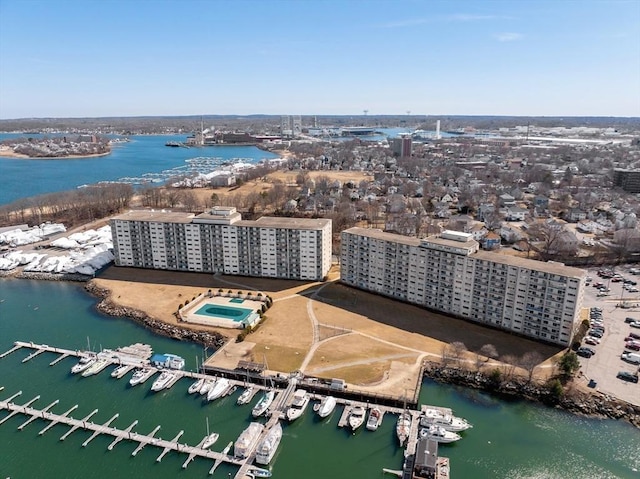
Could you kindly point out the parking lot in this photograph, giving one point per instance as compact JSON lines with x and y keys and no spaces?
{"x":604,"y":366}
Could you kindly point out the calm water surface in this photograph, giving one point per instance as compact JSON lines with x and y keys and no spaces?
{"x":510,"y":440}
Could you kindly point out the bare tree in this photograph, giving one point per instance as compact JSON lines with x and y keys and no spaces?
{"x":529,"y":362}
{"x":510,"y":362}
{"x":484,"y":354}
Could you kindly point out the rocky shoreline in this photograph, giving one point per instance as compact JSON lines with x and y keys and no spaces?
{"x":594,"y":404}
{"x":106,"y":306}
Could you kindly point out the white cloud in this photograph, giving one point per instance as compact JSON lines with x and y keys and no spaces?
{"x":456,"y":17}
{"x":509,"y":37}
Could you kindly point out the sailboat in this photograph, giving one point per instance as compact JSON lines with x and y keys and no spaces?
{"x":209,"y":439}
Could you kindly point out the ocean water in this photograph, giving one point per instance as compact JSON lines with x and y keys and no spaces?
{"x":20,"y":178}
{"x":509,"y":440}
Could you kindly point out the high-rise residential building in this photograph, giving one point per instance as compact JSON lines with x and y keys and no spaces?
{"x":449,"y":274}
{"x":296,"y":125}
{"x":401,"y":147}
{"x":219,"y":241}
{"x":628,"y":180}
{"x":285,"y":125}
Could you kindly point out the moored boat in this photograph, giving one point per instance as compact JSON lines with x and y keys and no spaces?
{"x":84,"y":363}
{"x":440,"y":434}
{"x":326,"y":406}
{"x":356,"y":417}
{"x":247,"y":440}
{"x":439,"y":418}
{"x":298,"y":405}
{"x":403,"y":426}
{"x":139,"y":376}
{"x":163,"y":381}
{"x":269,"y":445}
{"x":218,"y":389}
{"x":196,"y":386}
{"x":373,"y":421}
{"x":206,"y":386}
{"x":119,"y":370}
{"x":246,"y":395}
{"x":265,"y":401}
{"x":210,"y":439}
{"x":97,"y":366}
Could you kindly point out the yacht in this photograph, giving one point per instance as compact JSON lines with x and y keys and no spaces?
{"x":356,"y":417}
{"x":403,"y":426}
{"x":447,"y":421}
{"x":206,"y":386}
{"x":375,"y":416}
{"x":97,"y":366}
{"x":269,"y":445}
{"x":265,"y":401}
{"x":326,"y":406}
{"x":163,"y":381}
{"x":218,"y":389}
{"x":139,"y":376}
{"x":119,"y":370}
{"x":196,"y":386}
{"x":298,"y":405}
{"x":247,"y":440}
{"x":84,"y":363}
{"x":440,"y":434}
{"x":246,"y":395}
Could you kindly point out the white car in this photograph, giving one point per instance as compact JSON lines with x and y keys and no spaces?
{"x":592,"y":340}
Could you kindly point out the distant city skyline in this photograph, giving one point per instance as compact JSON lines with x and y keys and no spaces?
{"x":72,"y":58}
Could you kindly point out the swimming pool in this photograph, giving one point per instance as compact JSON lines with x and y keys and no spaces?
{"x":227,"y":312}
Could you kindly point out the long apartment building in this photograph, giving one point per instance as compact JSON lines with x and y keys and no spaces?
{"x":449,"y":274}
{"x":219,"y":241}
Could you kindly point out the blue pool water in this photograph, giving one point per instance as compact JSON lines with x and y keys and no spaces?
{"x":236,"y":300}
{"x":217,"y":311}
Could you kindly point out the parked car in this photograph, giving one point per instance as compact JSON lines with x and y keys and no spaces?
{"x":633,"y":289}
{"x":627,"y":376}
{"x":596,"y":333}
{"x":616,"y":279}
{"x":632,"y":346}
{"x":629,"y":320}
{"x":584,"y":353}
{"x":634,"y":335}
{"x":633,"y":358}
{"x":592,"y":340}
{"x":635,"y":324}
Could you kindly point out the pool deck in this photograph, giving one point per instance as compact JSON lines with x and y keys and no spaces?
{"x":195,"y":312}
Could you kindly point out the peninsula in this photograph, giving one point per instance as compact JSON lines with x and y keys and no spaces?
{"x":78,"y":146}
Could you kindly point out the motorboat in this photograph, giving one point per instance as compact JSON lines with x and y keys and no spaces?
{"x":439,"y":418}
{"x":140,"y":376}
{"x":195,"y":387}
{"x":373,"y":421}
{"x":403,"y":426}
{"x":257,"y":472}
{"x":440,"y":434}
{"x":163,"y":381}
{"x":298,"y":405}
{"x":119,"y":370}
{"x":247,"y":440}
{"x":206,"y":386}
{"x":84,"y":363}
{"x":218,"y":389}
{"x":326,"y":406}
{"x":246,"y":396}
{"x":269,"y":445}
{"x":265,"y":401}
{"x":356,"y":417}
{"x":97,"y":366}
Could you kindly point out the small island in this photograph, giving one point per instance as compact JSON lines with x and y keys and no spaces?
{"x":78,"y":146}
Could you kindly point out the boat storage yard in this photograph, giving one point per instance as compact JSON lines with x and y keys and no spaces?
{"x":137,"y":356}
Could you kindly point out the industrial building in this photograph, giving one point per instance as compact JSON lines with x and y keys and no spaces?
{"x":219,"y":241}
{"x":449,"y":274}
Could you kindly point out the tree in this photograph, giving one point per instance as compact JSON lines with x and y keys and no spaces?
{"x":484,"y":354}
{"x":455,"y":350}
{"x":568,"y":364}
{"x":529,"y":362}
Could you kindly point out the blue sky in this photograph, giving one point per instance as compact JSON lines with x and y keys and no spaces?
{"x":93,"y":58}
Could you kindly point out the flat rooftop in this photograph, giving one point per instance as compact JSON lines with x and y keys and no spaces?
{"x":161,"y":216}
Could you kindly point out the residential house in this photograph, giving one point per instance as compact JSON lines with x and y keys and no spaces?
{"x":515,"y":213}
{"x":490,"y":241}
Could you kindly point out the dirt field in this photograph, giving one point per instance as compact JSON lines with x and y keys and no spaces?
{"x":323,"y":329}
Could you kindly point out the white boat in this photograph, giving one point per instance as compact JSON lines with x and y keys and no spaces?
{"x":257,"y":472}
{"x":265,"y":401}
{"x":373,"y":421}
{"x":97,"y":366}
{"x":119,"y":370}
{"x":210,"y":439}
{"x":247,"y":440}
{"x":195,"y":387}
{"x":163,"y":381}
{"x":326,"y":406}
{"x":439,"y":434}
{"x":269,"y":445}
{"x":84,"y":363}
{"x":206,"y":386}
{"x":356,"y":417}
{"x":246,"y":395}
{"x":298,"y":405}
{"x":218,"y":389}
{"x":139,"y":376}
{"x":403,"y":426}
{"x":447,"y":421}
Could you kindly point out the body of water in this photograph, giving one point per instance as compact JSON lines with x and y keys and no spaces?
{"x":510,"y":440}
{"x":21,"y":178}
